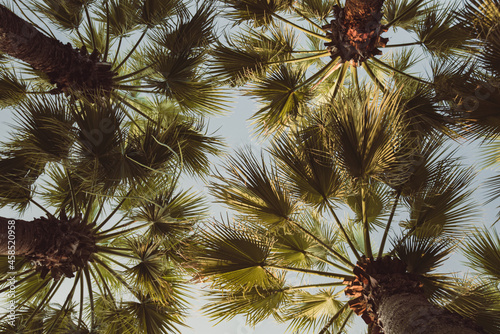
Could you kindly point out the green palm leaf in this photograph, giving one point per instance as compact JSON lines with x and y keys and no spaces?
{"x":121,"y":15}
{"x":483,"y":252}
{"x":319,"y":10}
{"x":44,"y":129}
{"x":422,"y":255}
{"x":364,"y":133}
{"x":404,"y":14}
{"x":258,"y":12}
{"x":444,"y":206}
{"x":12,"y":90}
{"x":310,"y":171}
{"x":192,"y":35}
{"x":155,"y":12}
{"x":377,"y":199}
{"x":235,"y":258}
{"x":311,"y":311}
{"x":250,"y":53}
{"x":481,"y":303}
{"x":150,"y":272}
{"x":256,"y":303}
{"x":284,"y":96}
{"x":65,"y":14}
{"x":254,"y":189}
{"x":440,"y":33}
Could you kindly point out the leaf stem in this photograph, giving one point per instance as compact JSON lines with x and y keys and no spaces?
{"x":388,"y":226}
{"x":408,"y":9}
{"x":312,"y":272}
{"x":341,"y":227}
{"x":366,"y":224}
{"x":306,"y":18}
{"x":404,"y":44}
{"x":324,"y":330}
{"x":399,"y":71}
{"x":132,"y":50}
{"x":307,"y":31}
{"x":322,"y":243}
{"x":373,"y":77}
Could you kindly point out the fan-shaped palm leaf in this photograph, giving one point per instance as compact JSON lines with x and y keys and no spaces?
{"x":483,"y":252}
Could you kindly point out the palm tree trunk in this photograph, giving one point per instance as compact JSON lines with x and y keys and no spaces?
{"x":358,"y":14}
{"x":411,"y":313}
{"x":23,"y":237}
{"x":66,"y":67}
{"x":52,"y":245}
{"x":355,"y":31}
{"x":362,"y":20}
{"x":392,"y":301}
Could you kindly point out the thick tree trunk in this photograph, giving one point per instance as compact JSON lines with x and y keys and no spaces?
{"x":358,"y":14}
{"x":392,"y":301}
{"x":52,"y":245}
{"x":413,"y":314}
{"x":25,"y":236}
{"x":66,"y":67}
{"x":355,"y":31}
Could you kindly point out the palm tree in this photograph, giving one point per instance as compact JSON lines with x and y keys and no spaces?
{"x":281,"y":46}
{"x":168,"y":45}
{"x":288,"y":248}
{"x":125,"y":273}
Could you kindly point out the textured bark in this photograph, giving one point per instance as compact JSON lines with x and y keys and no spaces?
{"x":413,"y":314}
{"x":358,"y":14}
{"x":26,"y":236}
{"x":392,"y":301}
{"x":355,"y":31}
{"x":69,"y":69}
{"x":58,"y":246}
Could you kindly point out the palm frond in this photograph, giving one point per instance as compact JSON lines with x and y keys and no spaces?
{"x":254,"y":188}
{"x":489,"y":57}
{"x":60,"y":190}
{"x":12,"y":90}
{"x":66,"y":15}
{"x":191,"y":35}
{"x":377,"y":199}
{"x":17,"y":178}
{"x":171,"y":213}
{"x":235,"y":258}
{"x":422,"y":255}
{"x":257,"y":303}
{"x":284,"y":98}
{"x":295,"y":249}
{"x":441,"y":34}
{"x":310,"y":311}
{"x":249,"y":54}
{"x":480,"y":17}
{"x":444,"y":207}
{"x":406,"y":13}
{"x":310,"y":170}
{"x":422,"y":115}
{"x":156,"y":12}
{"x":480,"y":303}
{"x":257,"y":12}
{"x":151,"y":273}
{"x":44,"y":129}
{"x":483,"y":252}
{"x":178,"y":76}
{"x":122,"y":17}
{"x":319,"y":10}
{"x":364,"y":134}
{"x":93,"y":37}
